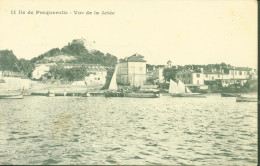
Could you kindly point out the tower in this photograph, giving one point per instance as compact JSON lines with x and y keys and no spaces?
{"x":169,"y":64}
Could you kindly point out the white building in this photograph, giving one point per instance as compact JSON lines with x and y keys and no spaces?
{"x":132,"y":71}
{"x":156,"y":74}
{"x":41,"y":69}
{"x":233,"y":75}
{"x":190,"y":77}
{"x":97,"y":76}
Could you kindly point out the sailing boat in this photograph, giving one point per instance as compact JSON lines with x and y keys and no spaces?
{"x":113,"y":84}
{"x":113,"y":90}
{"x":181,"y":90}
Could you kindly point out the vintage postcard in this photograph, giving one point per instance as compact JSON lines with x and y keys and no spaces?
{"x":124,"y":82}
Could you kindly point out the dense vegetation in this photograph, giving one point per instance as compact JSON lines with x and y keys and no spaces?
{"x":81,"y":54}
{"x":72,"y":74}
{"x":9,"y":62}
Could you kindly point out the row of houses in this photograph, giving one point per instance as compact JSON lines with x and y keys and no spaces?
{"x":133,"y":71}
{"x":234,"y":75}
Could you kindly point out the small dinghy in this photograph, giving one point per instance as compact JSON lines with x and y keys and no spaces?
{"x":246,"y":99}
{"x":230,"y":95}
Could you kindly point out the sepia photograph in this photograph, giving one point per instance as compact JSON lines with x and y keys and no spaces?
{"x":127,"y":82}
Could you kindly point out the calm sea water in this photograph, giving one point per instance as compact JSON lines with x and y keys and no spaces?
{"x":75,"y":130}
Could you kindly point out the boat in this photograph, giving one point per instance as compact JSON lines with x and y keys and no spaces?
{"x":18,"y":96}
{"x":181,"y":90}
{"x":11,"y":94}
{"x":246,"y":99}
{"x":142,"y":95}
{"x":50,"y":94}
{"x":230,"y":95}
{"x":113,"y":90}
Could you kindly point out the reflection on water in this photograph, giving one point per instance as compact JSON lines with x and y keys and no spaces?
{"x":74,"y":130}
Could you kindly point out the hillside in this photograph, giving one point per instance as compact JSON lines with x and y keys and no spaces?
{"x":75,"y":53}
{"x":9,"y":62}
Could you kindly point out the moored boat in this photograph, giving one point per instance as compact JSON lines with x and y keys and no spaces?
{"x":230,"y":95}
{"x":50,"y":94}
{"x":181,"y":90}
{"x":246,"y":99}
{"x":195,"y":95}
{"x":11,"y":96}
{"x":10,"y":93}
{"x":142,"y":95}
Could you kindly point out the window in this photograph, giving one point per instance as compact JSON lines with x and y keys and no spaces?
{"x":240,"y":72}
{"x":198,"y":81}
{"x":198,"y":75}
{"x":206,"y":76}
{"x":218,"y":76}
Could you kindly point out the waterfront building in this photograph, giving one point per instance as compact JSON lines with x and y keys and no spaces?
{"x":190,"y":77}
{"x":41,"y":69}
{"x":96,"y":76}
{"x":96,"y":73}
{"x":155,"y":74}
{"x":132,"y":71}
{"x":212,"y":76}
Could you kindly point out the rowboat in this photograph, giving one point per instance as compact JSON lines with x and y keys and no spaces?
{"x":50,"y":94}
{"x":230,"y":95}
{"x":194,"y":95}
{"x":141,"y":95}
{"x":12,"y":96}
{"x":246,"y":99}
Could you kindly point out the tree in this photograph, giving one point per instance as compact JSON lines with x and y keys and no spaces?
{"x":8,"y":60}
{"x":169,"y":73}
{"x":73,"y":74}
{"x":24,"y":66}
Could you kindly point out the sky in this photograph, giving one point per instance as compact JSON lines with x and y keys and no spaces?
{"x":183,"y":31}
